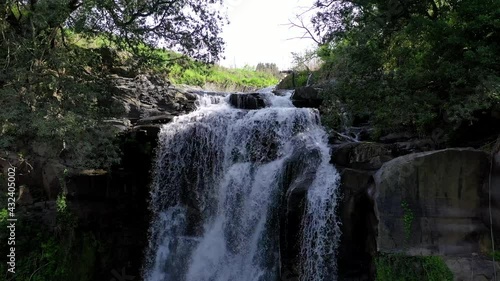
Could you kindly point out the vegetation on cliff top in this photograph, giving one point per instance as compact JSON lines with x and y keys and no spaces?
{"x":54,"y":89}
{"x":181,"y":69}
{"x":201,"y":74}
{"x":411,"y":65}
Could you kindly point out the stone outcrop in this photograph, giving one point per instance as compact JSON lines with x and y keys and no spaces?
{"x":357,"y":163}
{"x":145,"y":97}
{"x":306,"y":97}
{"x":247,"y":100}
{"x":430,"y":203}
{"x":396,"y":200}
{"x":299,"y":174}
{"x":364,"y":156}
{"x":472,"y":268}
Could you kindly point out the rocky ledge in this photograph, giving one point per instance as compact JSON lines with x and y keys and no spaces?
{"x":150,"y":100}
{"x":435,"y":202}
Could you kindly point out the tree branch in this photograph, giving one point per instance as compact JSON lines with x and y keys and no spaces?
{"x":301,"y":25}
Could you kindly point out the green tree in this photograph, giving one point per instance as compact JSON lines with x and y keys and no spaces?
{"x":55,"y":94}
{"x":411,"y":63}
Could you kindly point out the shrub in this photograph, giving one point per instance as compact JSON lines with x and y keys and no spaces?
{"x":398,"y":267}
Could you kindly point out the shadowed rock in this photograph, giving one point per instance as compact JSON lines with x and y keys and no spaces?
{"x":429,"y":203}
{"x":306,"y":97}
{"x":247,"y":101}
{"x":160,"y":119}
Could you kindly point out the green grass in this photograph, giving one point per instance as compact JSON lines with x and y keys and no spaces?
{"x":200,"y":75}
{"x":184,"y":70}
{"x":397,"y":267}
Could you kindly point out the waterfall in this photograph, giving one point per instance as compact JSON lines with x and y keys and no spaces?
{"x":220,"y":179}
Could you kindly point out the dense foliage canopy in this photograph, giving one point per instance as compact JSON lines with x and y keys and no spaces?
{"x":54,"y":93}
{"x":412,"y":64}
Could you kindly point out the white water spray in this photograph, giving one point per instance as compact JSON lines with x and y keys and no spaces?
{"x":218,"y":189}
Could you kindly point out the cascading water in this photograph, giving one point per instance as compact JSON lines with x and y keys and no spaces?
{"x":219,"y":183}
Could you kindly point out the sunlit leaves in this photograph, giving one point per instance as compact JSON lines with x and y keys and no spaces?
{"x":54,"y":90}
{"x":415,"y":65}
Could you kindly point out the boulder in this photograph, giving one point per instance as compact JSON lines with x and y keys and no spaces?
{"x":361,"y":155}
{"x":159,"y":119}
{"x":473,"y":268}
{"x":306,"y":97}
{"x":148,"y":95}
{"x":397,"y":137}
{"x":124,"y":71}
{"x":247,"y":100}
{"x":121,"y":125}
{"x":430,"y":203}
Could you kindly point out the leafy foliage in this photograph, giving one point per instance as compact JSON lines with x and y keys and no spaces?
{"x":397,"y":267}
{"x":54,"y":92}
{"x":412,"y":64}
{"x":44,"y":255}
{"x":49,"y":253}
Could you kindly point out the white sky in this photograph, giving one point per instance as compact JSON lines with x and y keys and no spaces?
{"x":257,"y":32}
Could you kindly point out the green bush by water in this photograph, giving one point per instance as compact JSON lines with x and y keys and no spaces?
{"x":42,"y":254}
{"x":396,"y":267}
{"x":184,"y":70}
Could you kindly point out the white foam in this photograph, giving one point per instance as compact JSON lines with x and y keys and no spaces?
{"x":217,"y":187}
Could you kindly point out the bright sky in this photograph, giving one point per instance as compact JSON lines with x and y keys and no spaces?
{"x":258,"y":32}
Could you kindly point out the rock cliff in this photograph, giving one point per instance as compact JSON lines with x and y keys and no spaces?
{"x":416,"y":204}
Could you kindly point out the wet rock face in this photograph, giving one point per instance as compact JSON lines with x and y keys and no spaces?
{"x":148,"y":96}
{"x":358,"y":242}
{"x":299,"y":174}
{"x":357,"y":162}
{"x":472,"y":268}
{"x":430,"y":203}
{"x":364,"y":156}
{"x":247,"y":101}
{"x":438,"y":197}
{"x":113,"y":206}
{"x":371,"y":156}
{"x":306,"y":97}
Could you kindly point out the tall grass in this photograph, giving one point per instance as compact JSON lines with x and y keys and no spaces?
{"x":184,"y":70}
{"x":224,"y":77}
